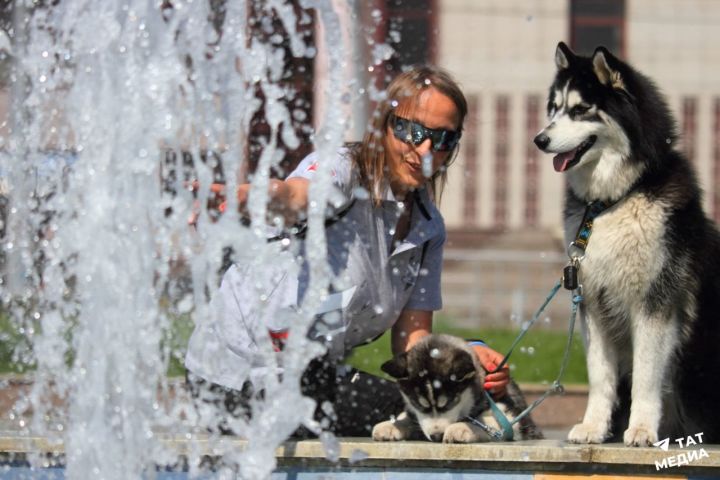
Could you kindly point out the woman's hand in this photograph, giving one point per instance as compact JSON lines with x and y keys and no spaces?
{"x":216,"y":201}
{"x":288,"y":198}
{"x":495,"y":383}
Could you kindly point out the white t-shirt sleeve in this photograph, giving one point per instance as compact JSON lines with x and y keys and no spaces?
{"x":340,"y":171}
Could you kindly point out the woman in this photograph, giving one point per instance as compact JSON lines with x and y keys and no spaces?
{"x":385,"y":248}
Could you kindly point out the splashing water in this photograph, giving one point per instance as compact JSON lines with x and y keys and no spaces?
{"x":109,"y":88}
{"x":427,"y":165}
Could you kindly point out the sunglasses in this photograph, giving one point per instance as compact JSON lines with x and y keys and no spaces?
{"x":415,"y":133}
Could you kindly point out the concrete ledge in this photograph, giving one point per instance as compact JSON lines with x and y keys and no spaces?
{"x":359,"y":453}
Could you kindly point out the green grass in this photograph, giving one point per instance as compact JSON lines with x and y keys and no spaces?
{"x":536,"y":359}
{"x":15,"y":353}
{"x":16,"y":350}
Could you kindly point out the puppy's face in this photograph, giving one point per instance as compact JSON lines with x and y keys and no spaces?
{"x":436,"y":381}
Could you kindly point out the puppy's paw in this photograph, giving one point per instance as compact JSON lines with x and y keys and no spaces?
{"x":640,"y":436}
{"x":387,"y":432}
{"x":460,"y":432}
{"x":588,"y":433}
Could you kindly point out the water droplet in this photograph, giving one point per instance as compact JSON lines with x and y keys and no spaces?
{"x":435,"y":353}
{"x":427,"y":165}
{"x":331,"y":446}
{"x":361,"y":193}
{"x":358,"y":456}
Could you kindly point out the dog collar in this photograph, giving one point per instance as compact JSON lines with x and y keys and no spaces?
{"x":582,"y":237}
{"x":576,"y":249}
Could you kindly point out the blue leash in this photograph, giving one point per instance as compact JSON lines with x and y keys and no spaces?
{"x":576,"y":252}
{"x":506,"y":432}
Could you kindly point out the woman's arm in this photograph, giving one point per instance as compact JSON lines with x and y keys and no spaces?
{"x":288,"y":198}
{"x":410,"y":327}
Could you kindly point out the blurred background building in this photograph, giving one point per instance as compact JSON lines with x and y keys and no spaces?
{"x":503,"y":202}
{"x":502,"y":52}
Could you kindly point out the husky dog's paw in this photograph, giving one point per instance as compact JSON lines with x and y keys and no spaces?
{"x":640,"y":436}
{"x":460,"y":432}
{"x":387,"y":432}
{"x":400,"y":428}
{"x":587,"y":433}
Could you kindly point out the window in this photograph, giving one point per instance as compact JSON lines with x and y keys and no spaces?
{"x":689,"y":127}
{"x":470,"y":145}
{"x":532,"y":173}
{"x":597,"y":22}
{"x":502,"y":132}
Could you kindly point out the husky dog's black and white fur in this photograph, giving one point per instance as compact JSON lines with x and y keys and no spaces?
{"x":439,"y":380}
{"x":651,"y":270}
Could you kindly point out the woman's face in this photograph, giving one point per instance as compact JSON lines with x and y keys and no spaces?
{"x":432,"y":110}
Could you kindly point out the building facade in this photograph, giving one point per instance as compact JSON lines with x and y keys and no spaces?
{"x":503,"y":54}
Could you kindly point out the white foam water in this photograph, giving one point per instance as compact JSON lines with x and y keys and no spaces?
{"x":110,"y":87}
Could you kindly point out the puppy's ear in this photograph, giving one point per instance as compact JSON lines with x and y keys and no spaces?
{"x":563,"y":56}
{"x":463,"y":367}
{"x":604,"y":67}
{"x":396,"y":367}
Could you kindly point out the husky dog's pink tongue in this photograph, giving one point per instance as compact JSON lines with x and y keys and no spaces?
{"x":561,"y":160}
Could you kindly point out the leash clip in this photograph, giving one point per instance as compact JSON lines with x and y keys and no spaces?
{"x":575,"y":252}
{"x":570,"y":274}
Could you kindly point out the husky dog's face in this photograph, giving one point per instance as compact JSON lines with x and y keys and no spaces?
{"x":436,"y":379}
{"x":586,"y":130}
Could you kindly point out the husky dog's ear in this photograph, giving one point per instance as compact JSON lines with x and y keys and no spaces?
{"x":563,"y":56}
{"x":396,"y":367}
{"x":463,"y":367}
{"x":603,"y":62}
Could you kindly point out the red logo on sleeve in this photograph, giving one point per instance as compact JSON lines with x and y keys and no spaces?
{"x":314,"y":166}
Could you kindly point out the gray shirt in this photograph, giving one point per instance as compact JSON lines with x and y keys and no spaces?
{"x":373,"y":282}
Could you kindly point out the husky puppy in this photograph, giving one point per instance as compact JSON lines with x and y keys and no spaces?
{"x":650,"y":272}
{"x":439,"y":380}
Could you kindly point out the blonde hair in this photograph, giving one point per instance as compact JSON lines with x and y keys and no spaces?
{"x":369,"y":155}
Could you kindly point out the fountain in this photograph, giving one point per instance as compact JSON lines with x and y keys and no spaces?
{"x":106,"y":98}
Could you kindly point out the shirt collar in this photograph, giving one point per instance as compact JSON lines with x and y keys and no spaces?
{"x":426,"y":223}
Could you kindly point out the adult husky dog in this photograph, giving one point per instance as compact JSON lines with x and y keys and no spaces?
{"x":650,"y":271}
{"x":439,"y":380}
